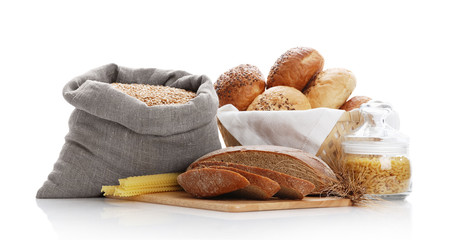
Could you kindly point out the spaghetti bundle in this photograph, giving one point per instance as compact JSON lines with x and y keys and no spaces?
{"x":139,"y":185}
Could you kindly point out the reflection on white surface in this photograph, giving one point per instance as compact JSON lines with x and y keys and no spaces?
{"x":116,"y":219}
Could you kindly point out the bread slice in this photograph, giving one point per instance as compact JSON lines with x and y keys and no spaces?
{"x":219,"y":180}
{"x":209,"y":182}
{"x":290,"y":187}
{"x":291,"y":161}
{"x":260,"y":187}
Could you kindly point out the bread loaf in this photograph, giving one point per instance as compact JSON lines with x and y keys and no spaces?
{"x":260,"y":187}
{"x":295,"y":68}
{"x":354,"y":103}
{"x":290,"y":187}
{"x":208,"y":182}
{"x":291,"y":161}
{"x":239,"y":86}
{"x":331,"y":88}
{"x":222,"y":180}
{"x":280,"y":98}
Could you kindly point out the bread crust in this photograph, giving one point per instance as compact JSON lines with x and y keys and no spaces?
{"x":331,"y":88}
{"x":280,"y":98}
{"x":355,"y":102}
{"x":295,"y":68}
{"x":239,"y":86}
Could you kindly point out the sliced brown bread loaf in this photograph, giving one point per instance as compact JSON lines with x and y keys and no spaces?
{"x":291,"y":161}
{"x":209,"y":182}
{"x":290,"y":187}
{"x":219,"y":180}
{"x":260,"y":187}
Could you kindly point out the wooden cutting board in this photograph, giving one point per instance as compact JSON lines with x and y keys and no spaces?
{"x":183,"y":199}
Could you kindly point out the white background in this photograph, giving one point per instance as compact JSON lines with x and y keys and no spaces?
{"x":399,"y":50}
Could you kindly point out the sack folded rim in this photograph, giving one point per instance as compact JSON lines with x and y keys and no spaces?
{"x":93,"y":93}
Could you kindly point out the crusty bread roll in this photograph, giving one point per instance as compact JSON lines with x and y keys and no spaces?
{"x":331,"y":88}
{"x":295,"y":68}
{"x":239,"y":86}
{"x":354,"y":102}
{"x":280,"y":98}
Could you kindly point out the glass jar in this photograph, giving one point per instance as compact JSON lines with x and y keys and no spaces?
{"x":376,"y":155}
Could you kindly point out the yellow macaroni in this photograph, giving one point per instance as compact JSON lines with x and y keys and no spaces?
{"x":380,"y":174}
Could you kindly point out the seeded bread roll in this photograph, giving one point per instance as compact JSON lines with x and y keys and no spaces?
{"x":280,"y":98}
{"x":239,"y":86}
{"x":331,"y":88}
{"x":295,"y":68}
{"x":354,"y":103}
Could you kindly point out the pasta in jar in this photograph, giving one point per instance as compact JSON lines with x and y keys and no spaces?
{"x":380,"y":174}
{"x":375,"y":154}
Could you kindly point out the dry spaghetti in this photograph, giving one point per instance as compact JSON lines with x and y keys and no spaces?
{"x":138,"y":185}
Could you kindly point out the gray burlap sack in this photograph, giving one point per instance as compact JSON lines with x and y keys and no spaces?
{"x":112,"y":135}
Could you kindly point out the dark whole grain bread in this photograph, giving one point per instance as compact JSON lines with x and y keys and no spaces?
{"x":290,"y":161}
{"x":290,"y":187}
{"x":209,"y":182}
{"x":219,"y":180}
{"x":260,"y":187}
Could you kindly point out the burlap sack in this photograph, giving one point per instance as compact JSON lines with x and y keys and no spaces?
{"x":112,"y":135}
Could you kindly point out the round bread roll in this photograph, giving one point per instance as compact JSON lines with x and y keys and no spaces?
{"x":331,"y":88}
{"x":295,"y":68}
{"x":240,"y":86}
{"x":280,"y":98}
{"x":354,"y":103}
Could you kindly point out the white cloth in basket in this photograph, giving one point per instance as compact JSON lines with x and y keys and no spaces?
{"x":305,"y":130}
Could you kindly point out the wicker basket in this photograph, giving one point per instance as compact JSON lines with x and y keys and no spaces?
{"x":330,"y":150}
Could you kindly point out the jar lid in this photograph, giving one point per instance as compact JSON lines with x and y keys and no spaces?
{"x":375,"y":136}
